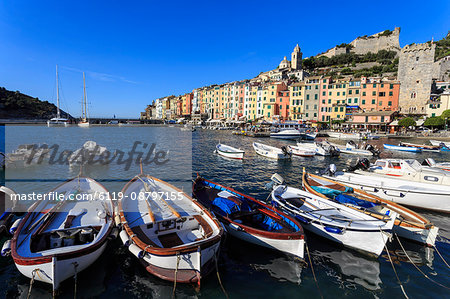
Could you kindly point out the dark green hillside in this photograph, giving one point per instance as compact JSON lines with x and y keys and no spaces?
{"x":16,"y":105}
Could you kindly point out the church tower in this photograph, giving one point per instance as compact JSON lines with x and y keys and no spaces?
{"x":296,"y":58}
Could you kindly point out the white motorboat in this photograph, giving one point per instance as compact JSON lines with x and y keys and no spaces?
{"x":407,"y":169}
{"x":353,"y":149}
{"x":401,"y":148}
{"x":405,"y":192}
{"x":229,"y":151}
{"x":84,"y":123}
{"x":409,"y":224}
{"x":333,"y":220}
{"x":59,"y":238}
{"x":302,"y":152}
{"x":440,"y":143}
{"x":89,"y":153}
{"x":323,"y":148}
{"x":431,"y":163}
{"x":271,"y":151}
{"x":286,"y":134}
{"x":57,"y":121}
{"x":172,"y":235}
{"x":344,"y":136}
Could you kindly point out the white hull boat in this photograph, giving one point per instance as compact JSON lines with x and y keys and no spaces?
{"x":286,"y":134}
{"x":351,"y":149}
{"x":229,"y":152}
{"x":302,"y":152}
{"x":442,"y":165}
{"x":335,"y":221}
{"x":440,"y":143}
{"x":409,"y":224}
{"x":174,"y":237}
{"x":404,"y":192}
{"x":320,"y":148}
{"x":271,"y":151}
{"x":59,"y":238}
{"x":344,"y":136}
{"x":402,"y":148}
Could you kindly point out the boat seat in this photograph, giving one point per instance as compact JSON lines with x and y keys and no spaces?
{"x":205,"y":225}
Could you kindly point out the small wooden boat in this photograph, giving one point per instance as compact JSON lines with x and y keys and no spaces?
{"x":440,"y":143}
{"x":229,"y":152}
{"x":401,"y":148}
{"x":173,"y":236}
{"x":271,"y":151}
{"x":302,"y":152}
{"x":409,"y":224}
{"x":59,"y":238}
{"x":423,"y":147}
{"x":333,"y":220}
{"x":251,"y":220}
{"x":286,"y":134}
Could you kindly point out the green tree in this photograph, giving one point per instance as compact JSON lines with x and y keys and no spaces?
{"x":407,"y":122}
{"x":445,"y":114}
{"x":434,"y":122}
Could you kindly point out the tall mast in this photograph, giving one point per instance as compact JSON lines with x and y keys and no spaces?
{"x":83,"y":108}
{"x":57,"y":94}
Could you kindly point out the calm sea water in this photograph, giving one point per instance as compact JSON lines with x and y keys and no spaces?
{"x":245,"y":270}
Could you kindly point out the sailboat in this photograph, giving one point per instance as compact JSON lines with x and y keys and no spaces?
{"x":84,"y":114}
{"x":58,"y":120}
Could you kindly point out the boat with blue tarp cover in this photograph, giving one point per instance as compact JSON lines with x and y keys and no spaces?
{"x":409,"y":224}
{"x":333,"y":220}
{"x":251,"y":220}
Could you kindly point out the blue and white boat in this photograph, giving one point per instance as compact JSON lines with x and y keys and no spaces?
{"x":401,"y":148}
{"x":286,"y":134}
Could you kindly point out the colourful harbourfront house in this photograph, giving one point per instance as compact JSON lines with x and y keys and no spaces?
{"x":314,"y":99}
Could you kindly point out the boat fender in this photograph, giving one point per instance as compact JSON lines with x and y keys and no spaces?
{"x":333,"y":230}
{"x":14,"y":227}
{"x":235,"y":227}
{"x":101,"y":214}
{"x":116,"y":215}
{"x":138,"y":252}
{"x":6,"y":249}
{"x":302,"y":219}
{"x":124,"y":237}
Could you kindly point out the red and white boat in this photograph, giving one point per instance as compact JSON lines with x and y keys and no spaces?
{"x":302,"y":152}
{"x":64,"y":234}
{"x":173,"y":236}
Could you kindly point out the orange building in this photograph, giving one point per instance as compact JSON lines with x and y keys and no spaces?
{"x":378,"y":95}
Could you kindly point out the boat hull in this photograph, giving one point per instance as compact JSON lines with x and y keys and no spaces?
{"x":231,"y":153}
{"x":272,"y":154}
{"x":302,"y":152}
{"x":294,"y":247}
{"x":436,"y":201}
{"x":402,"y":148}
{"x":55,"y":269}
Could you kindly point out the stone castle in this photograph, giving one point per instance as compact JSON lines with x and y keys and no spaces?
{"x":417,"y":70}
{"x":385,"y":40}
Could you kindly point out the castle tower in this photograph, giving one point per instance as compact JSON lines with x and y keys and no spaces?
{"x":296,"y":58}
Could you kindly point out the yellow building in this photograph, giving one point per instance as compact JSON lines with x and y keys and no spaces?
{"x":337,"y":94}
{"x":297,"y":100}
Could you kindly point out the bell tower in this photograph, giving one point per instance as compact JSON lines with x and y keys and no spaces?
{"x":296,"y":58}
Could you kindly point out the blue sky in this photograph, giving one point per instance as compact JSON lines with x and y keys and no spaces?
{"x":136,"y":51}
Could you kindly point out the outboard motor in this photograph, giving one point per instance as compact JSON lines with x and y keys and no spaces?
{"x":372,"y":149}
{"x":334,"y":152}
{"x":362,"y":164}
{"x":276,"y":180}
{"x":352,"y":143}
{"x":286,"y":152}
{"x":330,"y":170}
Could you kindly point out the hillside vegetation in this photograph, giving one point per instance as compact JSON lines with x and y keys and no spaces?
{"x":14,"y":104}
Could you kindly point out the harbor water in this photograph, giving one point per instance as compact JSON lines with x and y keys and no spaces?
{"x":246,"y":271}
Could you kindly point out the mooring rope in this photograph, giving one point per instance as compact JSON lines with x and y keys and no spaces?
{"x":312,"y":269}
{"x":75,"y":265}
{"x":31,"y":283}
{"x":218,"y":275}
{"x":175,"y":280}
{"x":418,"y":269}
{"x":392,"y":264}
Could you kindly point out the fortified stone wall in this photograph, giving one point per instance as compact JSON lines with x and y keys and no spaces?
{"x":376,"y":42}
{"x":416,"y":71}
